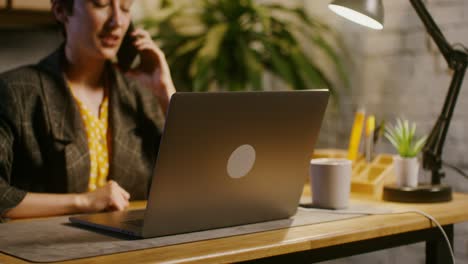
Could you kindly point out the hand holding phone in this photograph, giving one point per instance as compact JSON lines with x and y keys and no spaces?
{"x":152,"y":71}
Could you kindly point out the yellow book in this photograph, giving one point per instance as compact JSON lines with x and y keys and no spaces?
{"x":356,"y":133}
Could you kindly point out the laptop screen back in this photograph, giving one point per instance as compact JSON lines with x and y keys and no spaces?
{"x":232,"y":158}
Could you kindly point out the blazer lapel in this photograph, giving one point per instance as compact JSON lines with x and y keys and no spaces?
{"x":122,"y":121}
{"x":66,"y":125}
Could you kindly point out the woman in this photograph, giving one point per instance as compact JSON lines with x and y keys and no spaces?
{"x":77,"y":135}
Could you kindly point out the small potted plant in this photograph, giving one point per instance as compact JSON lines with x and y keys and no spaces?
{"x":402,"y":137}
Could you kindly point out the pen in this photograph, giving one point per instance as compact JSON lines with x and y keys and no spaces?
{"x":356,"y":132}
{"x":370,"y":128}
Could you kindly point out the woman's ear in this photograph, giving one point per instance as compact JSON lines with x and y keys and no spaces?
{"x":59,"y":12}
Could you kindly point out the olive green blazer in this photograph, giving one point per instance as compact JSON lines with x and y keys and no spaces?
{"x":43,"y":144}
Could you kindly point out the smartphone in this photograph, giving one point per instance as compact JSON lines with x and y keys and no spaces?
{"x":127,"y":52}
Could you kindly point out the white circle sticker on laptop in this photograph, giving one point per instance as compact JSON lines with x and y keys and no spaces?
{"x":241,"y":161}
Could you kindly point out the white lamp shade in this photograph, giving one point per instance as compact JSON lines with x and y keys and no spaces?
{"x":368,"y":13}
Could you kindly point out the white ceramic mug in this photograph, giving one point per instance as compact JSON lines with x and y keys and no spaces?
{"x":330,"y":182}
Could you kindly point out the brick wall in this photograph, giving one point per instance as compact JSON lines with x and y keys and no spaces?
{"x":399,"y":72}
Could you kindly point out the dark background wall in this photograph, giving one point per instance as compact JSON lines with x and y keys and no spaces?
{"x":25,"y":46}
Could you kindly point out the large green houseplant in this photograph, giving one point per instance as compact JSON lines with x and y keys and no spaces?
{"x":230,"y":44}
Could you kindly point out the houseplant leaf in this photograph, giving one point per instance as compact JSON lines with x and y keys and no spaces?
{"x":236,"y":42}
{"x":402,"y":136}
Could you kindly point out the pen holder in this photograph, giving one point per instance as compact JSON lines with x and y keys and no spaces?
{"x":367,"y":177}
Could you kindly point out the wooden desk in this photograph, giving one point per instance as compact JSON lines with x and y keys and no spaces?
{"x":311,"y":243}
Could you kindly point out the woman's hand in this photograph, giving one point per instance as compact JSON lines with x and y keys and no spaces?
{"x":153,"y":71}
{"x":109,"y":197}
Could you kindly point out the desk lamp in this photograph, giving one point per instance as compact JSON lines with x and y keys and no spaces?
{"x":370,"y":13}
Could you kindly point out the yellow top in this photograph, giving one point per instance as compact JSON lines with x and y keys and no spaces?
{"x":96,"y":131}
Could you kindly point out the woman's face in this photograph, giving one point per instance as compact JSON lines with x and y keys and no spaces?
{"x":96,"y":27}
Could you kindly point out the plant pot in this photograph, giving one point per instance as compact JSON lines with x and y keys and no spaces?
{"x":406,"y":171}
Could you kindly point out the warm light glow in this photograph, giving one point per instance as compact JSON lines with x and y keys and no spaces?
{"x":356,"y":17}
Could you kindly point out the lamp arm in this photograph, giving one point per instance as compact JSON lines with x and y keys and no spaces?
{"x":432,"y":151}
{"x":457,"y":61}
{"x":433,"y":30}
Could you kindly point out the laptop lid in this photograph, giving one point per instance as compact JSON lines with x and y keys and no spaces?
{"x":232,"y":158}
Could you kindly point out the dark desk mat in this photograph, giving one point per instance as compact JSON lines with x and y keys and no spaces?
{"x":55,"y":239}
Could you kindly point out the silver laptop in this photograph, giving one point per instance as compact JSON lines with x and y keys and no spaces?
{"x":225,"y":159}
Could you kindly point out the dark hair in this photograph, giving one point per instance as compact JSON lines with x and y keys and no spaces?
{"x":67,"y":4}
{"x":68,"y":7}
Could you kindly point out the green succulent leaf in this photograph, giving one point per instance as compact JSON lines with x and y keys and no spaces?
{"x":418,"y":146}
{"x":392,"y":139}
{"x":402,"y":137}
